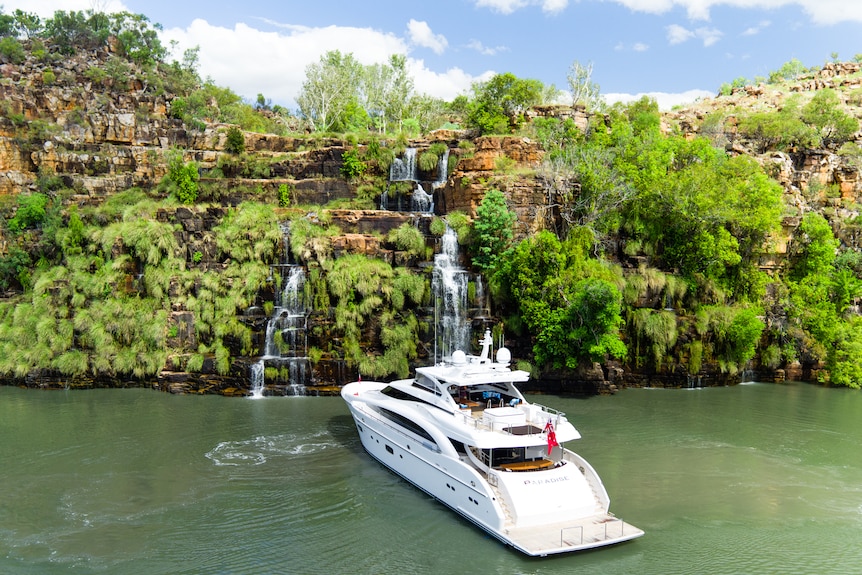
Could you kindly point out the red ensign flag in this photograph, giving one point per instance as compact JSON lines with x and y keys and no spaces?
{"x":552,"y":436}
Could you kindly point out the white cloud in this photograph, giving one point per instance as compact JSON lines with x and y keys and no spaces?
{"x":251,"y":61}
{"x":509,"y":6}
{"x":504,"y":6}
{"x":485,"y":50}
{"x":421,"y":35}
{"x":640,"y":47}
{"x":666,"y":101}
{"x":821,"y":11}
{"x":444,"y":85}
{"x":755,"y":30}
{"x":709,"y":35}
{"x":554,"y":6}
{"x":676,"y":34}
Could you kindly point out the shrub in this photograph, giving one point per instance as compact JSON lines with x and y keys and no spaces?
{"x":407,"y":238}
{"x":284,"y":195}
{"x":30,"y":213}
{"x":183,"y":177}
{"x":11,"y":50}
{"x":428,"y":161}
{"x":235,"y":143}
{"x":352,"y":166}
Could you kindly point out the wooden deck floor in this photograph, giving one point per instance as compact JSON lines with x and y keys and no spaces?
{"x":595,"y":531}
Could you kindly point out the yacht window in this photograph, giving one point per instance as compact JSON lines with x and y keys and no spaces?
{"x":424,"y":382}
{"x":459,"y":447}
{"x":407,"y":424}
{"x":396,"y":393}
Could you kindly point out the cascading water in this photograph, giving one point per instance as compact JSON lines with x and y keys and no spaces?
{"x":257,"y":379}
{"x":442,"y":170}
{"x":404,"y":169}
{"x":480,"y":303}
{"x":286,"y":343}
{"x":285,"y":331}
{"x":421,"y":201}
{"x":449,"y":285}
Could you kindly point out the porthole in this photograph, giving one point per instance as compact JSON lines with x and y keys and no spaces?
{"x":390,"y":450}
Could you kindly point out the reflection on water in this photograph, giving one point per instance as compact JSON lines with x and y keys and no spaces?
{"x":749,"y":479}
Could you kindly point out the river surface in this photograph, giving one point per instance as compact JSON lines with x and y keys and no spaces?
{"x":757,"y":478}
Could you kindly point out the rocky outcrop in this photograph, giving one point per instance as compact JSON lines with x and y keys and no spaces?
{"x":101,"y":140}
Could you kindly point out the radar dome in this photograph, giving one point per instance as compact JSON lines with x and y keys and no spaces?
{"x":459,"y":357}
{"x":504,"y":356}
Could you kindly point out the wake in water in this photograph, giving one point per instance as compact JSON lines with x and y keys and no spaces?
{"x":258,"y":450}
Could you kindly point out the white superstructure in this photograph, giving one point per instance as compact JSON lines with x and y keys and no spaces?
{"x":462,"y":432}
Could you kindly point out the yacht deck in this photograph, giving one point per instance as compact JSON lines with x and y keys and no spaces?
{"x":595,"y":531}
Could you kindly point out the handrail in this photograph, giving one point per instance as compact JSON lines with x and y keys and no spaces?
{"x":614,"y":520}
{"x":562,"y":534}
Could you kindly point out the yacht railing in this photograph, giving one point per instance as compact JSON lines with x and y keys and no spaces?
{"x":570,"y":541}
{"x":556,"y":414}
{"x":547,"y":412}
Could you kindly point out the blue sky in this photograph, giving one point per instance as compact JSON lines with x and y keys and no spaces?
{"x":674,"y":50}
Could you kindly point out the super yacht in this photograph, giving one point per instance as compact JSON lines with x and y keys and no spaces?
{"x":462,"y":432}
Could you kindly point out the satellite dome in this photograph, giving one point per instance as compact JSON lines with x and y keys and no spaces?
{"x":504,"y":356}
{"x":459,"y":357}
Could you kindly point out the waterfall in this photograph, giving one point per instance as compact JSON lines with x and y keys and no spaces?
{"x":748,"y":374}
{"x":257,"y":379}
{"x":480,"y":296}
{"x":285,"y":330}
{"x":442,"y":170}
{"x":404,"y":169}
{"x":286,"y":341}
{"x":449,"y":285}
{"x":421,"y":201}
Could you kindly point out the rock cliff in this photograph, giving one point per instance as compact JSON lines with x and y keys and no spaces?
{"x":100,"y":138}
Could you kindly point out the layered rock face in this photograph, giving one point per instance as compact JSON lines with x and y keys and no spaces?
{"x":101,"y":140}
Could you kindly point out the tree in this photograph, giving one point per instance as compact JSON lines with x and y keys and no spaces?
{"x":814,"y":248}
{"x":27,"y":23}
{"x":139,"y":40}
{"x":330,"y":86}
{"x":584,"y":91}
{"x":569,"y":304}
{"x":74,"y":30}
{"x":834,"y":125}
{"x":789,"y":71}
{"x":499,"y":102}
{"x":427,"y":111}
{"x":778,"y":129}
{"x":492,"y":230}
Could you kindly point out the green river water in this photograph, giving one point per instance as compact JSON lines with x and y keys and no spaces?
{"x":757,"y":478}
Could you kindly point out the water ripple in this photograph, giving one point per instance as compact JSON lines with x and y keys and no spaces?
{"x":258,"y":450}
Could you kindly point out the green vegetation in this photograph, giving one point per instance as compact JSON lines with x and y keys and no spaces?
{"x":492,"y":230}
{"x":99,"y":302}
{"x":649,"y":250}
{"x":351,"y":165}
{"x":500,"y":103}
{"x":235,"y":141}
{"x":408,"y":239}
{"x":181,"y":179}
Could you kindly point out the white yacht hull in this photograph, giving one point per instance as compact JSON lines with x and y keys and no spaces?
{"x":453,"y":480}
